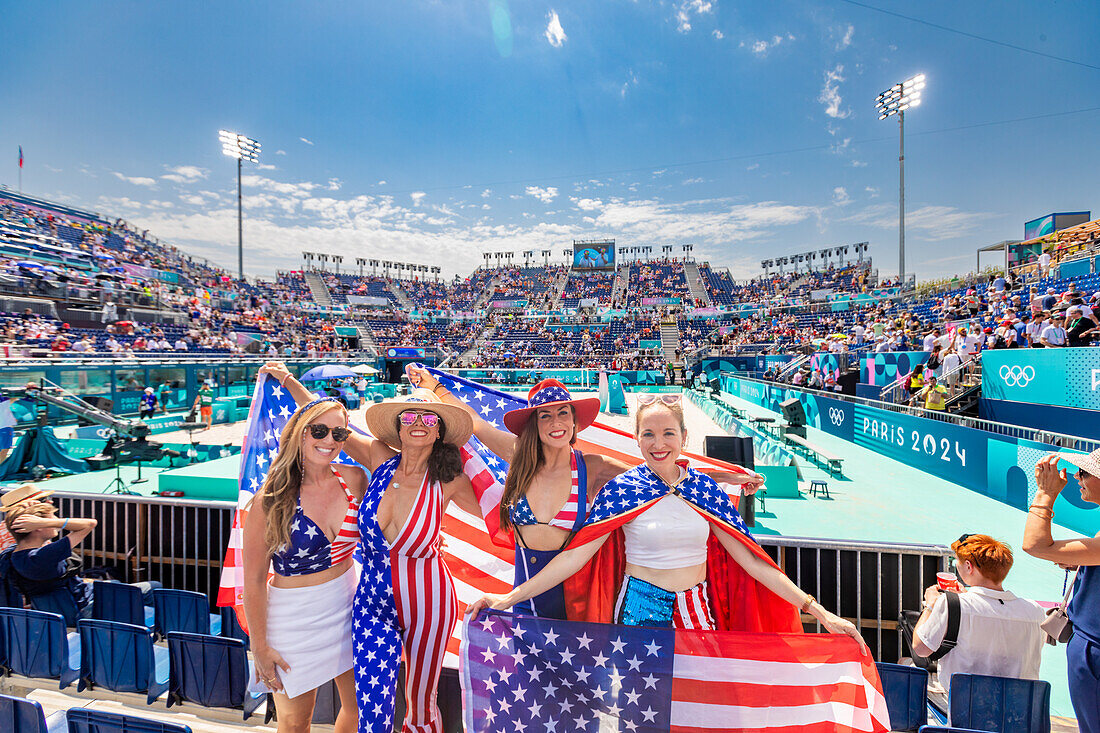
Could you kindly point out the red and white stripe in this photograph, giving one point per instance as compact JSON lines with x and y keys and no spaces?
{"x":774,"y":683}
{"x":347,"y":537}
{"x":692,"y":609}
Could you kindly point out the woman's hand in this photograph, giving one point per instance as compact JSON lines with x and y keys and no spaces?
{"x":489,"y":600}
{"x":1051,"y":481}
{"x":932,"y":594}
{"x":420,"y":377}
{"x":837,"y":625}
{"x":268,"y":662}
{"x":276,"y":369}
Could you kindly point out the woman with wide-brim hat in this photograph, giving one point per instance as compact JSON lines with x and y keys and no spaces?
{"x":550,"y":486}
{"x":1083,"y":650}
{"x":406,"y":596}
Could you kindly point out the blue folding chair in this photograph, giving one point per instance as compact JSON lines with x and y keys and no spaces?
{"x":85,"y":720}
{"x":231,"y":627}
{"x":946,"y":729}
{"x":38,"y":644}
{"x":906,"y":692}
{"x":183,"y":610}
{"x":1000,"y":704}
{"x":212,"y":671}
{"x":61,"y":602}
{"x":18,"y":715}
{"x":121,"y":657}
{"x":121,"y":603}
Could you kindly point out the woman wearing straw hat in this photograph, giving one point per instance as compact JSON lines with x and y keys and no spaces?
{"x":406,"y":595}
{"x":1083,"y":650}
{"x":546,"y":477}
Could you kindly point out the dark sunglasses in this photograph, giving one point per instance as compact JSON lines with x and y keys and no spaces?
{"x":427,"y":419}
{"x":318,"y":432}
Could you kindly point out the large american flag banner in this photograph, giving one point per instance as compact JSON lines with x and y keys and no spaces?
{"x":526,"y":674}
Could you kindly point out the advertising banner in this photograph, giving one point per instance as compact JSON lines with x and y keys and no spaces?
{"x":884,"y":369}
{"x":649,"y":343}
{"x":368,"y":300}
{"x":1065,"y":377}
{"x":512,"y":304}
{"x":660,"y":301}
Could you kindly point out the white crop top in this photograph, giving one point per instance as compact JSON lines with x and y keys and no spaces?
{"x":668,"y":535}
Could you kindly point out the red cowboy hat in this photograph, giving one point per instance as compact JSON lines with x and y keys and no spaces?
{"x":547,"y":393}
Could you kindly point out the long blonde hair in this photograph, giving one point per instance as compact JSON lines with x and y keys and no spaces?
{"x":526,"y":462}
{"x":283,"y":485}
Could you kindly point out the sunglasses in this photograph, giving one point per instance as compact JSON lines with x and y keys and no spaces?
{"x":427,"y":419}
{"x":318,"y":432}
{"x":649,"y":398}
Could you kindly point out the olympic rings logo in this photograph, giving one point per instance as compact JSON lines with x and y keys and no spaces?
{"x":1017,"y":376}
{"x":836,"y":416}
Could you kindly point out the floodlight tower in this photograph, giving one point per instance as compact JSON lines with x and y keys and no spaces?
{"x":894,"y":101}
{"x":242,"y":148}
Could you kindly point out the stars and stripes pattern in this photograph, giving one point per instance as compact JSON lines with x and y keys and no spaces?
{"x":534,"y":675}
{"x":271,"y":407}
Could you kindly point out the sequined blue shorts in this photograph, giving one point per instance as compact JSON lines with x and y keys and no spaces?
{"x":641,"y":603}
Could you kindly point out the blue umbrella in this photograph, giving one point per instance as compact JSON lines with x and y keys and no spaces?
{"x":328,"y":371}
{"x":30,"y":265}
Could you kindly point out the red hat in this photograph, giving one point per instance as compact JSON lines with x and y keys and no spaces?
{"x":551,"y":392}
{"x":988,"y":329}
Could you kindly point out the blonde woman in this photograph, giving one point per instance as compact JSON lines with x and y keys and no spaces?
{"x":666,"y":516}
{"x":302,"y":523}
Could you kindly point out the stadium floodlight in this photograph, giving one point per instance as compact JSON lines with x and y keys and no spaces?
{"x":895,"y":101}
{"x":242,"y":148}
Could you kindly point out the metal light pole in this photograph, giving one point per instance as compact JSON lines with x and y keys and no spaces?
{"x":242,"y":148}
{"x":894,"y":101}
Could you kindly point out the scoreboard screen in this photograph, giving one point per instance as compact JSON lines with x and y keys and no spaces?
{"x":594,"y":255}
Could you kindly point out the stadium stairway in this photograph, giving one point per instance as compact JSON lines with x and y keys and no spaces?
{"x":318,"y":289}
{"x":403,"y":298}
{"x":558,"y":288}
{"x":670,"y":341}
{"x":695,"y":283}
{"x":490,"y":288}
{"x":622,"y":277}
{"x":480,"y":340}
{"x":366,"y":338}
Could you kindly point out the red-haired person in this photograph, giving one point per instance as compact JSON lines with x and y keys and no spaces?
{"x":999,"y":633}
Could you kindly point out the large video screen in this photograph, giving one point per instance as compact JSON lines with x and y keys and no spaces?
{"x":594,"y":255}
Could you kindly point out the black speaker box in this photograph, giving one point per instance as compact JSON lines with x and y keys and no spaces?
{"x":734,"y":449}
{"x":793,"y":412}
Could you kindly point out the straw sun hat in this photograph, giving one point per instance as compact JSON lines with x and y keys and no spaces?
{"x":1089,"y":462}
{"x":382,"y":417}
{"x":26,"y":492}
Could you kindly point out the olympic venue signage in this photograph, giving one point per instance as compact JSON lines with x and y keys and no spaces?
{"x":998,"y":466}
{"x":1064,"y":377}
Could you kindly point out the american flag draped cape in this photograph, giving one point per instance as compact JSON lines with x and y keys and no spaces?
{"x":537,"y":675}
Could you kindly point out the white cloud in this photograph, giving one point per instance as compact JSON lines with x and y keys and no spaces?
{"x":545,"y":195}
{"x":381,"y":183}
{"x":859,"y":164}
{"x":280,"y":152}
{"x":280,"y":187}
{"x":688,"y":8}
{"x":631,"y":81}
{"x":830,"y":93}
{"x":136,"y":180}
{"x":934,"y":223}
{"x":185,"y":174}
{"x":51,"y":168}
{"x":555,"y":34}
{"x":417,"y":197}
{"x":307,"y":142}
{"x":718,"y":34}
{"x":846,"y":38}
{"x":265,"y":167}
{"x":761,"y":47}
{"x":334,"y":184}
{"x":753,"y":167}
{"x":691,"y":181}
{"x":588,"y":204}
{"x":486,"y":193}
{"x":841,"y":197}
{"x":871,"y":191}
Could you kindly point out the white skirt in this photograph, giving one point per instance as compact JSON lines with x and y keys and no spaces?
{"x":310,"y":628}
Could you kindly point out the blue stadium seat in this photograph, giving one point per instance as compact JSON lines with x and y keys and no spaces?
{"x":212,"y":671}
{"x":18,"y":715}
{"x":61,"y":602}
{"x":85,"y":720}
{"x":121,"y":657}
{"x":906,"y":692}
{"x":231,"y":627}
{"x":119,"y":602}
{"x":1000,"y":704}
{"x":183,"y":610}
{"x":37,"y":644}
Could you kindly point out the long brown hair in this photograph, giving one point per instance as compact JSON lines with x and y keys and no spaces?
{"x":527,"y":460}
{"x":283,"y":485}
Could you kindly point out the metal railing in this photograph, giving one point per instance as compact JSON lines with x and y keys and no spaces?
{"x":1049,"y":437}
{"x":869,"y":583}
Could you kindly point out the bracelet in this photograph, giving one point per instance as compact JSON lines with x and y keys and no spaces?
{"x":282,"y":382}
{"x":437,"y":387}
{"x":1033,"y":507}
{"x":810,"y":600}
{"x":62,"y":527}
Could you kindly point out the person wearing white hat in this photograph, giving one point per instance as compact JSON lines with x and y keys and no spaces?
{"x":1083,"y":650}
{"x":148,"y":405}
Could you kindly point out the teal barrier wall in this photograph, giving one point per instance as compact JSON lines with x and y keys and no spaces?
{"x":997,"y":466}
{"x":1066,"y":377}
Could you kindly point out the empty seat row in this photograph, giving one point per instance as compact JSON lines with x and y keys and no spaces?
{"x":18,"y":715}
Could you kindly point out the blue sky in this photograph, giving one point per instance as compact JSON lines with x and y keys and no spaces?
{"x":430,"y":132}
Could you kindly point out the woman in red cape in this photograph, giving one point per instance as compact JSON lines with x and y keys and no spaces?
{"x":664,"y":546}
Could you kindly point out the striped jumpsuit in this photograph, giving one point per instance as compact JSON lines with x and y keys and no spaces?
{"x":416,"y":609}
